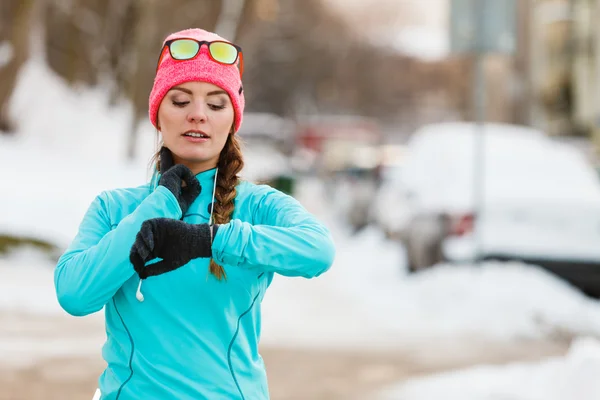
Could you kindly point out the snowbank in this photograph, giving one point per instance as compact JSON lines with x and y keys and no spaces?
{"x":573,"y":377}
{"x":368,"y":299}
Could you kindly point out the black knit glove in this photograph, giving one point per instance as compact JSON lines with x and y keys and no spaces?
{"x":173,"y":177}
{"x":175,"y":242}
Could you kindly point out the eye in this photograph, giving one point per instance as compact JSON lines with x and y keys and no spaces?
{"x":216,"y":107}
{"x":180,"y":103}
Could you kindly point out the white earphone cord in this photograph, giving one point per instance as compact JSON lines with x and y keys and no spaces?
{"x":212,"y":204}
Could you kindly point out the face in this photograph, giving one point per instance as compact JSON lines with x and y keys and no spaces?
{"x":195,"y":119}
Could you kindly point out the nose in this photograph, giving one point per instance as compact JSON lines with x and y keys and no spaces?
{"x":197,"y":113}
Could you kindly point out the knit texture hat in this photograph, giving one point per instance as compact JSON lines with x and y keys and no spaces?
{"x":202,"y":68}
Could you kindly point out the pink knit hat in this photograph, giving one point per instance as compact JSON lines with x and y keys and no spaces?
{"x":202,"y":68}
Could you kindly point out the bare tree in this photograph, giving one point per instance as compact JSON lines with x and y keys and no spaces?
{"x":15,"y":16}
{"x":229,"y":18}
{"x":300,"y":56}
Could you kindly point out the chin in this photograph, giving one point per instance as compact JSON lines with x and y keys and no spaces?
{"x":188,"y":153}
{"x":196,"y":157}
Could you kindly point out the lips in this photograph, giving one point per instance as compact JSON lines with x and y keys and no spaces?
{"x":196,"y":134}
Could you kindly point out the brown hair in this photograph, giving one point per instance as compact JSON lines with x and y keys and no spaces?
{"x":229,"y":165}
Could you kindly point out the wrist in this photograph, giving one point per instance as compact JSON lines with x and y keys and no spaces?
{"x":213,"y":232}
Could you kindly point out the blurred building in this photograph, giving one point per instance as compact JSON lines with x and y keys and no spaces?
{"x":586,"y":67}
{"x":549,"y":62}
{"x":564,"y":66}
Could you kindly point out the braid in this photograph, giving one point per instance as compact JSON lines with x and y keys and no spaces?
{"x":230,"y":164}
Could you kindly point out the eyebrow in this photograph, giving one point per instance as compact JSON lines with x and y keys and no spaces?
{"x":181,"y":90}
{"x":216,"y":92}
{"x":213,"y":93}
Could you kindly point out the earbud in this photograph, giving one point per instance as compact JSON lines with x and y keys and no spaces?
{"x":138,"y":294}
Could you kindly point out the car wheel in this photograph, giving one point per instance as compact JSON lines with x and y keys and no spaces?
{"x":413,"y":264}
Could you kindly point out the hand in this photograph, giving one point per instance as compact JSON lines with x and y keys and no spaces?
{"x":174,"y":241}
{"x":173,"y":178}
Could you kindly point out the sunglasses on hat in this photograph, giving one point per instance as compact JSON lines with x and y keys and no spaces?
{"x":183,"y":49}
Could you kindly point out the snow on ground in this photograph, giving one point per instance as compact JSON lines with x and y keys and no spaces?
{"x":574,"y":376}
{"x":33,"y":327}
{"x":27,"y":284}
{"x":367,"y":299}
{"x":46,"y":193}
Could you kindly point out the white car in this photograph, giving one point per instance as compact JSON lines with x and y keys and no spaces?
{"x":539,"y":201}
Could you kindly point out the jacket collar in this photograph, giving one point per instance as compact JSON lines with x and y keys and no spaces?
{"x":207,"y":178}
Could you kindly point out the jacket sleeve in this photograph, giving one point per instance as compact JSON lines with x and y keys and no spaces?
{"x":96,"y":263}
{"x":287,"y":240}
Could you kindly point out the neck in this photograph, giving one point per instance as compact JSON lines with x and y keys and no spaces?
{"x":198,"y":167}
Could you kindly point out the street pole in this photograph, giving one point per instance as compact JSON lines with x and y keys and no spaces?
{"x":479,"y":102}
{"x":478,"y":28}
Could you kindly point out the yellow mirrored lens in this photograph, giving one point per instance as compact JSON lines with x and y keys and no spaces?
{"x":184,"y":49}
{"x":223,"y":52}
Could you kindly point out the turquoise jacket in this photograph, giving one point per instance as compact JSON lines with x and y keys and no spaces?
{"x":193,"y":337}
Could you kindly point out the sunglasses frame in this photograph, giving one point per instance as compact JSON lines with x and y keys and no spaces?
{"x":167,"y":45}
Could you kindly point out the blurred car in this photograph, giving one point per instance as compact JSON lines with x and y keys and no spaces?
{"x":265,"y":138}
{"x":540,"y":201}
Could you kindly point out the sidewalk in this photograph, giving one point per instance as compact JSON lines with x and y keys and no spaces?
{"x":58,"y":357}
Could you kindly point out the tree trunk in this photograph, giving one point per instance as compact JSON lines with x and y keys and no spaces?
{"x":19,"y":13}
{"x":229,"y":18}
{"x":144,"y":30}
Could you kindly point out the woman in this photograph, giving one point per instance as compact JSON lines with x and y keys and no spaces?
{"x":204,"y":244}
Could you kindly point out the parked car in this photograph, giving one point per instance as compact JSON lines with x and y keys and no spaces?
{"x":540,"y":201}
